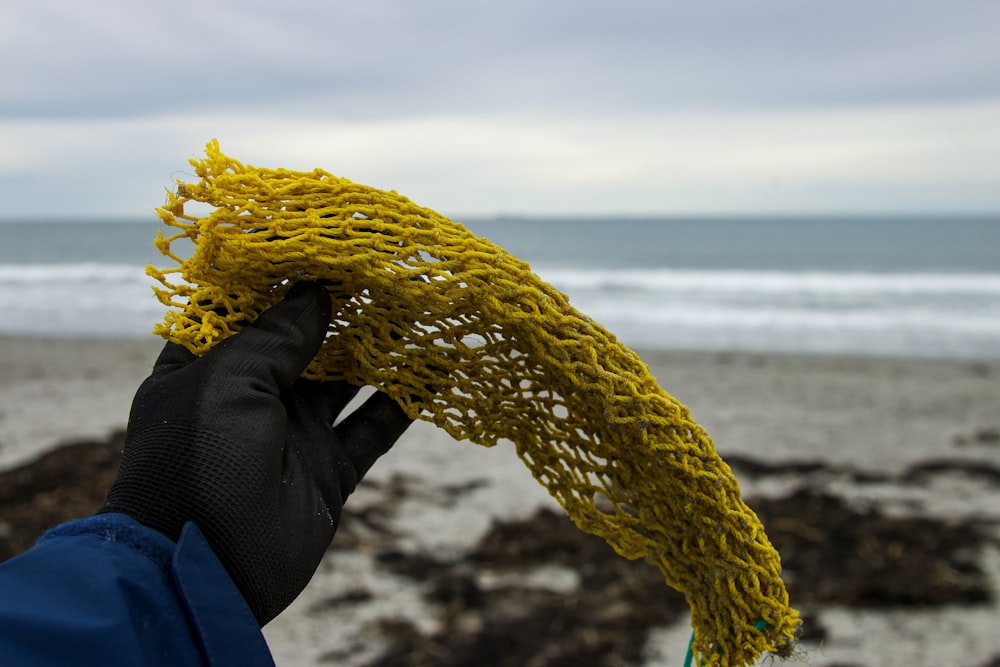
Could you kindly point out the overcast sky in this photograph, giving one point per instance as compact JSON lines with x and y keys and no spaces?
{"x":516,"y":106}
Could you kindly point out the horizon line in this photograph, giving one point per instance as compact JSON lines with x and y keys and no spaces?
{"x":502,"y":216}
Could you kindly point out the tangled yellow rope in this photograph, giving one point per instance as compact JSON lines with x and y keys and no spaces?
{"x":462,"y":334}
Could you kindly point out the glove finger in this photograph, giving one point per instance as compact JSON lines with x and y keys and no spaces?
{"x":370,"y":431}
{"x":327,"y":399}
{"x":279,"y":345}
{"x":314,"y":457}
{"x":172,"y":357}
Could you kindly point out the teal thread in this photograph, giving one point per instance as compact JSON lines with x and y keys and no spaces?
{"x":689,"y":657}
{"x":690,"y":652}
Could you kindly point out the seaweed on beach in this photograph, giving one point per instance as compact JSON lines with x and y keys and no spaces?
{"x":921,"y":472}
{"x":68,"y":482}
{"x":604,"y":620}
{"x":985,"y":436}
{"x":835,"y":553}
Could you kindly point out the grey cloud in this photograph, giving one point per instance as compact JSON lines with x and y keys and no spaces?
{"x":392,"y":58}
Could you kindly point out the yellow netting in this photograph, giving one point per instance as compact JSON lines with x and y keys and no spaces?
{"x":462,"y":334}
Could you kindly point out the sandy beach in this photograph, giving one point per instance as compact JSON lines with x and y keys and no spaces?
{"x":900,"y":448}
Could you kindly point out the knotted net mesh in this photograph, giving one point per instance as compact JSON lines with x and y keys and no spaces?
{"x":464,"y":335}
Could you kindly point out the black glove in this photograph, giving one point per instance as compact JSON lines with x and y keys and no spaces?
{"x":237,"y":443}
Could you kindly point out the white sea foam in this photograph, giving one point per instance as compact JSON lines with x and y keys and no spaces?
{"x":774,"y":282}
{"x":89,"y":299}
{"x":32,"y":274}
{"x":915,"y":314}
{"x":909,"y":314}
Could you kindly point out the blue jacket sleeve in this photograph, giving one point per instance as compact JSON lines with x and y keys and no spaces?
{"x":109,"y":591}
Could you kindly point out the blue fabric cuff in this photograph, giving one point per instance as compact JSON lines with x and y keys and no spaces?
{"x":221,"y":619}
{"x":214,"y":604}
{"x":121,"y":529}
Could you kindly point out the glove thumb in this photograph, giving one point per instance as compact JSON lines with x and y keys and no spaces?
{"x":278,"y":346}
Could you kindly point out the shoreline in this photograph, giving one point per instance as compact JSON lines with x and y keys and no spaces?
{"x":54,"y":390}
{"x":903,"y":437}
{"x":65,"y":388}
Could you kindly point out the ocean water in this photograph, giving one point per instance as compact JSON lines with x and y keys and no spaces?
{"x":925,"y":287}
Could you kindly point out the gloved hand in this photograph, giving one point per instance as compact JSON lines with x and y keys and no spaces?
{"x":237,"y":443}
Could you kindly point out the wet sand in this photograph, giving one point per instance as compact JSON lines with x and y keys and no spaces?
{"x":851,"y":459}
